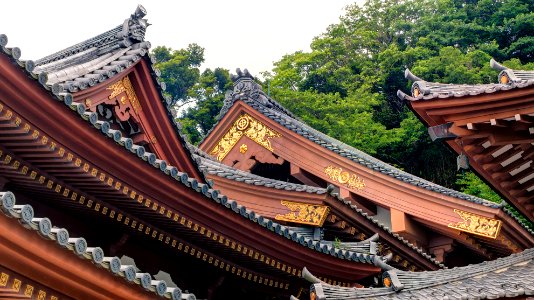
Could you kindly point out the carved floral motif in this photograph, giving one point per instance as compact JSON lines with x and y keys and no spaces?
{"x":304,"y":213}
{"x":352,"y":181}
{"x":248,"y":126}
{"x":476,"y":224}
{"x":124,"y":85}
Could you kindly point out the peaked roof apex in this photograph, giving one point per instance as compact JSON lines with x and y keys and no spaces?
{"x":130,"y":32}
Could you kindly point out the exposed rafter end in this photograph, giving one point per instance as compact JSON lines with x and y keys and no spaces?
{"x":439,"y":132}
{"x":410,"y":76}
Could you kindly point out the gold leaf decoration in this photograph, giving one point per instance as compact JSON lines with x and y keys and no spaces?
{"x":124,"y":85}
{"x":303,"y":213}
{"x":247,"y":126}
{"x":352,"y":181}
{"x":476,"y":224}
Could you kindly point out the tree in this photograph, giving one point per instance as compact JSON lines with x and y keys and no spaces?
{"x":179,"y":70}
{"x":208,"y":93}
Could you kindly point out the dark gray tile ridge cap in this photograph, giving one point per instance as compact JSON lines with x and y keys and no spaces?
{"x":83,"y":73}
{"x":43,"y":226}
{"x":131,"y":31}
{"x":97,"y":59}
{"x":183,"y":178}
{"x":424,"y":90}
{"x":361,"y":157}
{"x":216,"y":168}
{"x":510,"y":276}
{"x":511,"y":75}
{"x":369,"y":245}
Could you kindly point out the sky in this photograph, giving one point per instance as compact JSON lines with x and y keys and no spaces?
{"x":235,"y":34}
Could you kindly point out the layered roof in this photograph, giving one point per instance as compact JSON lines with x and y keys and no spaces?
{"x":251,"y":93}
{"x":297,"y":145}
{"x":213,"y":167}
{"x":115,"y":190}
{"x":490,"y":123}
{"x":507,"y":277}
{"x":125,"y":269}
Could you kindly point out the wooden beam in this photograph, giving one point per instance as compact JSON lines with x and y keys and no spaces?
{"x":361,"y":202}
{"x":511,"y":138}
{"x":524,"y":118}
{"x":498,"y":123}
{"x":441,"y":131}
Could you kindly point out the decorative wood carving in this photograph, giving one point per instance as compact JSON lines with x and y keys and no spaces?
{"x":245,"y":125}
{"x":304,"y":213}
{"x":121,"y":106}
{"x":352,"y":181}
{"x":476,"y":224}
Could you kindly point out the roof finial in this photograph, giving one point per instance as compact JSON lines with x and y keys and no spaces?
{"x":139,"y":13}
{"x":497,"y":66}
{"x":241,"y":75}
{"x":410,"y":76}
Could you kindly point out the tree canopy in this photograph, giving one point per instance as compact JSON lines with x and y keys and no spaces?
{"x":346,"y":85}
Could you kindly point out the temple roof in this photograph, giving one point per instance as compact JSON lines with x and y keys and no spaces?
{"x":250,"y":92}
{"x":182,"y":178}
{"x":97,"y":59}
{"x":508,"y":79}
{"x":506,"y":277}
{"x":124,"y":267}
{"x":210,"y":165}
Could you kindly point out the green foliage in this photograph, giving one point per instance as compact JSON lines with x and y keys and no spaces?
{"x":197,"y":97}
{"x":346,"y":85}
{"x":179,"y":69}
{"x":471,"y":184}
{"x":208,"y":93}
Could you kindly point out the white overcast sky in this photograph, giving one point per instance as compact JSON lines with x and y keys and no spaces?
{"x":235,"y":34}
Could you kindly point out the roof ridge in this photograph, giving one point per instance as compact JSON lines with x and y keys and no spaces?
{"x":365,"y":159}
{"x":132,"y":30}
{"x":25,"y":215}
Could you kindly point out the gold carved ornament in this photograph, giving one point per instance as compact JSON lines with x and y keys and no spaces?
{"x":352,"y":181}
{"x":476,"y":224}
{"x":243,"y":149}
{"x":245,"y":125}
{"x":303,"y":213}
{"x":125,"y":86}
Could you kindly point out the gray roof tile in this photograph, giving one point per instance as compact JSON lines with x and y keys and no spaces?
{"x":425,"y":90}
{"x":507,"y":277}
{"x":43,"y":226}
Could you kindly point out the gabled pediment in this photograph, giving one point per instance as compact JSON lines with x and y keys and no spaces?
{"x":113,"y":76}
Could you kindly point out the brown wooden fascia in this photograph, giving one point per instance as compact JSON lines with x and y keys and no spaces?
{"x":168,"y":145}
{"x":24,"y":252}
